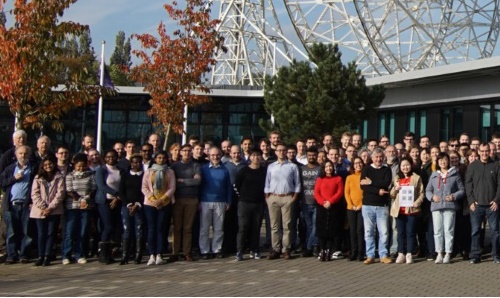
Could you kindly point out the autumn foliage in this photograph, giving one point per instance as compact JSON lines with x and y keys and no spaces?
{"x":32,"y":61}
{"x":173,"y":67}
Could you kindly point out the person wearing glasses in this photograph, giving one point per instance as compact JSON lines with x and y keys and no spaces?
{"x":147,"y":156}
{"x":409,"y":140}
{"x":383,"y":142}
{"x":453,"y":144}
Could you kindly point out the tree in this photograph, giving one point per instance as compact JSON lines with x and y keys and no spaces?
{"x":121,"y":61}
{"x":33,"y":59}
{"x":173,"y":67}
{"x":331,"y":97}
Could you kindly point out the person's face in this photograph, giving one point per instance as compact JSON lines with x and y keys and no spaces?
{"x":43,"y":145}
{"x":424,"y":143}
{"x":291,"y":154}
{"x":119,"y":148}
{"x":371,"y":145}
{"x":329,"y":168}
{"x":161,"y":159}
{"x":328,"y":141}
{"x":356,"y":141}
{"x":350,"y":152}
{"x":22,"y":155}
{"x":146,"y":153}
{"x":424,"y":156}
{"x":197,"y":152}
{"x":62,"y":155}
{"x":280,"y":152}
{"x":444,"y":163}
{"x":475,"y":144}
{"x":88,"y":143}
{"x":434,"y":154}
{"x":409,"y":140}
{"x":235,"y":153}
{"x":154,"y":140}
{"x":130,"y":148}
{"x":312,"y":157}
{"x":214,"y":156}
{"x":301,"y":148}
{"x":405,"y":167}
{"x":400,"y":150}
{"x":454,"y":160}
{"x":463,"y":150}
{"x":19,"y":140}
{"x":111,"y":158}
{"x":94,"y":156}
{"x":264,"y":148}
{"x":496,"y":141}
{"x":206,"y":150}
{"x":246,"y":146}
{"x":493,"y":150}
{"x":226,"y":147}
{"x":365,"y":156}
{"x":384,"y":142}
{"x":255,"y":159}
{"x":333,"y":155}
{"x":484,"y":153}
{"x":136,"y":164}
{"x":473,"y":157}
{"x":378,"y":159}
{"x":414,"y":154}
{"x":185,"y":153}
{"x":48,"y":166}
{"x":175,"y":152}
{"x":310,"y":142}
{"x":453,"y":145}
{"x":80,"y":167}
{"x":274,"y":138}
{"x":321,"y":157}
{"x":357,"y":164}
{"x":390,"y":152}
{"x":345,"y":140}
{"x":464,"y":139}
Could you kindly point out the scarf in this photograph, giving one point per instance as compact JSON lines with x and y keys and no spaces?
{"x":159,"y":171}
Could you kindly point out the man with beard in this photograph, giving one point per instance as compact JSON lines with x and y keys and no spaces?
{"x":87,"y":143}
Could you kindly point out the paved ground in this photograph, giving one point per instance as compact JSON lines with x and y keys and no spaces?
{"x":226,"y":277}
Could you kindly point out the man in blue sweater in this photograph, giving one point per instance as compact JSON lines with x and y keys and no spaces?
{"x":215,"y":199}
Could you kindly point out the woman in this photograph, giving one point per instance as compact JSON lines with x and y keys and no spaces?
{"x":444,"y":189}
{"x":47,"y":195}
{"x":462,"y":243}
{"x":158,"y":187}
{"x":328,"y":191}
{"x":108,"y":200}
{"x":416,"y":163}
{"x":174,"y":153}
{"x":354,"y":198}
{"x":406,"y":217}
{"x":472,"y":156}
{"x":321,"y":157}
{"x":365,"y":156}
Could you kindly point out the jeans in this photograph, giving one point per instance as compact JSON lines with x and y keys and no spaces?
{"x":47,"y":232}
{"x":108,"y":219}
{"x":406,"y":232}
{"x":212,"y":214}
{"x":476,"y":218}
{"x":376,"y":217}
{"x":18,"y":241}
{"x":444,"y":229}
{"x":76,"y":233}
{"x":249,"y":223}
{"x":309,"y":214}
{"x":130,"y":223}
{"x":156,"y":227}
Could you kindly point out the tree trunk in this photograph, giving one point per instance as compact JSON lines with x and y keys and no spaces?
{"x":167,"y":134}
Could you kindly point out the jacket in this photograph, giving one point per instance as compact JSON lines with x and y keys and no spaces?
{"x":101,"y":175}
{"x":482,"y":182}
{"x":166,"y":195}
{"x":437,"y":186}
{"x":7,"y":179}
{"x":47,"y":196}
{"x":419,"y":193}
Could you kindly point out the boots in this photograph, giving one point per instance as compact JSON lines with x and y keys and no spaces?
{"x":125,"y":251}
{"x":105,"y":253}
{"x":138,"y":252}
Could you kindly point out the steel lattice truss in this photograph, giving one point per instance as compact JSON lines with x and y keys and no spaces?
{"x":391,"y":36}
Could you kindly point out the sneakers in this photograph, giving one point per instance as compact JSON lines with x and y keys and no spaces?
{"x":159,"y":260}
{"x":337,"y":255}
{"x":239,"y":256}
{"x":401,"y":258}
{"x":369,"y":261}
{"x":439,"y":259}
{"x":81,"y":261}
{"x":409,"y":258}
{"x":446,"y":259}
{"x":431,"y":257}
{"x":475,"y":261}
{"x":66,"y":262}
{"x":386,"y":260}
{"x":151,"y":260}
{"x":257,"y":256}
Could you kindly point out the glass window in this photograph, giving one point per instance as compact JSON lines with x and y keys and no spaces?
{"x":423,"y":123}
{"x":411,"y":121}
{"x":485,"y":126}
{"x":444,"y":133}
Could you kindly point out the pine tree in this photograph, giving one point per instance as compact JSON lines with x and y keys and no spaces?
{"x":120,"y":61}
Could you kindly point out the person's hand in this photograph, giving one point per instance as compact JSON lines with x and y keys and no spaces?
{"x":382,"y":192}
{"x":46,"y":212}
{"x":132,"y":210}
{"x":449,"y":198}
{"x":397,"y":186}
{"x":415,"y":204}
{"x":366,"y":181}
{"x":493,"y":206}
{"x":472,"y":206}
{"x":228,"y":206}
{"x":114,"y":203}
{"x":436,"y":198}
{"x":83,"y":204}
{"x":327,"y":205}
{"x":19,"y":175}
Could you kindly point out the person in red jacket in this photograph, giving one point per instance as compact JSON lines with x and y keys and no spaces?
{"x":328,"y":191}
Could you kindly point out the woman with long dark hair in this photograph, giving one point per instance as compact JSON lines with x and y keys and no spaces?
{"x":354,"y":198}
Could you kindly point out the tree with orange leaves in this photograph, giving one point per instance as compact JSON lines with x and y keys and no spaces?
{"x":173,"y":67}
{"x":32,"y":60}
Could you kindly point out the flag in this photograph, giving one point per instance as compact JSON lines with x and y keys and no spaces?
{"x":107,"y":82}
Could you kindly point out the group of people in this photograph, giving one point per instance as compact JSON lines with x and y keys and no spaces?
{"x":326,"y":200}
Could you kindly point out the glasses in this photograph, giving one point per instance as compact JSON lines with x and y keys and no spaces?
{"x":410,"y":139}
{"x":484,"y":151}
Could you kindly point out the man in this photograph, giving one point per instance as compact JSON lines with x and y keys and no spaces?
{"x":274,"y":138}
{"x":334,"y":157}
{"x":357,"y":140}
{"x":310,"y":172}
{"x":147,"y":156}
{"x":216,"y":194}
{"x":371,"y":144}
{"x":482,"y":184}
{"x":375,"y":182}
{"x":311,"y":141}
{"x":345,"y":140}
{"x":267,"y":153}
{"x":119,"y":148}
{"x":327,"y":143}
{"x":246,"y":146}
{"x":43,"y":148}
{"x":495,"y":139}
{"x":409,"y":140}
{"x":425,"y":142}
{"x":188,"y":179}
{"x":63,"y":162}
{"x":87,"y":143}
{"x":298,"y":228}
{"x":282,"y":189}
{"x":392,"y":162}
{"x":462,"y":151}
{"x":231,"y":219}
{"x":16,"y":181}
{"x":206,"y":148}
{"x":400,"y":150}
{"x":192,"y":140}
{"x":453,"y":144}
{"x":198,"y":155}
{"x":301,"y":152}
{"x":124,"y":163}
{"x":226,"y":150}
{"x":155,"y":141}
{"x":464,"y":138}
{"x":94,"y":160}
{"x":19,"y":139}
{"x":493,"y":151}
{"x":383,"y":142}
{"x":350,"y":154}
{"x":443,"y":146}
{"x":474,"y":143}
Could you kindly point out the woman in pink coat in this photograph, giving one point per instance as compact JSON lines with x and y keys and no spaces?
{"x":47,"y":194}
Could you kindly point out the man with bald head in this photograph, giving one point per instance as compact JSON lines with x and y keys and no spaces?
{"x":43,"y":148}
{"x":155,"y":140}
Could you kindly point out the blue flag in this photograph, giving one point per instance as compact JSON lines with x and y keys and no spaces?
{"x":108,"y":83}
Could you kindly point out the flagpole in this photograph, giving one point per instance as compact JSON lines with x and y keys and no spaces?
{"x":185,"y":125}
{"x":99,"y":111}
